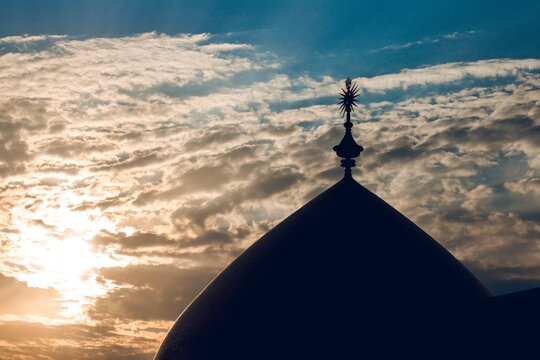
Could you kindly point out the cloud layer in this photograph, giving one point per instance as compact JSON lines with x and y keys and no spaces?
{"x":134,"y":169}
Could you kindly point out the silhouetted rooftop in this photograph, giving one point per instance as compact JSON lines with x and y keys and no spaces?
{"x":346,"y":262}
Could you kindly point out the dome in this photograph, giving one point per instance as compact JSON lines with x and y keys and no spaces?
{"x":338,"y":273}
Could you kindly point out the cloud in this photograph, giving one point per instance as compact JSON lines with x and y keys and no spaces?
{"x":524,"y":186}
{"x":448,"y":73}
{"x":67,"y":147}
{"x":167,"y":288}
{"x":263,"y":186}
{"x":17,"y":298}
{"x":28,"y":38}
{"x":426,"y":41}
{"x":205,"y":178}
{"x":15,"y":118}
{"x":136,"y":240}
{"x":210,"y":138}
{"x":22,"y":339}
{"x":181,"y":151}
{"x":101,"y":204}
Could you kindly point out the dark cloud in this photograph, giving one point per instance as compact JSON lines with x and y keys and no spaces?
{"x":203,"y":253}
{"x":211,"y":137}
{"x":169,"y":128}
{"x":56,"y":127}
{"x":9,"y":231}
{"x":402,"y":150}
{"x":13,"y":149}
{"x":103,"y":204}
{"x":41,"y":223}
{"x":262,"y":186}
{"x":279,"y":130}
{"x":29,"y":114}
{"x":136,"y":240}
{"x":20,"y":118}
{"x":206,"y":177}
{"x":137,"y":244}
{"x":19,"y":330}
{"x":155,"y":292}
{"x":272,"y":182}
{"x":502,"y":280}
{"x":51,"y":181}
{"x":126,"y":161}
{"x":69,"y":147}
{"x":148,"y":197}
{"x":213,"y":237}
{"x":331,"y":174}
{"x":240,"y":154}
{"x":209,"y":178}
{"x":54,"y":167}
{"x":64,"y":342}
{"x":314,"y":193}
{"x":493,"y":135}
{"x":18,"y":298}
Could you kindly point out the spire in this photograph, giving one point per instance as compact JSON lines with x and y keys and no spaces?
{"x":348,"y":149}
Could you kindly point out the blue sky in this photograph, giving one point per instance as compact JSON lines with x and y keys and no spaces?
{"x":330,"y":37}
{"x":145,"y":144}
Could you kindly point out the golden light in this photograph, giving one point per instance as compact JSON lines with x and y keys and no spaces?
{"x":54,"y":246}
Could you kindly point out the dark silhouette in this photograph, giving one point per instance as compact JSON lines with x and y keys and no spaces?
{"x":348,"y":149}
{"x":347,"y":277}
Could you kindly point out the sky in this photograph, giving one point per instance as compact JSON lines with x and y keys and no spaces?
{"x":145,"y":144}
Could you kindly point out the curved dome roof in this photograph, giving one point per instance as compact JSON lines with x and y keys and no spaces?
{"x":335,"y":275}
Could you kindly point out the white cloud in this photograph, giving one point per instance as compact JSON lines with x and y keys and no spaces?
{"x":448,"y":73}
{"x":426,"y":41}
{"x":28,"y":38}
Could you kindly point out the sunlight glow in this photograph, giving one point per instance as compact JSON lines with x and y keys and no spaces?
{"x":54,"y":245}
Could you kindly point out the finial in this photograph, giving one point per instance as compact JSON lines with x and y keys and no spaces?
{"x":348,"y":149}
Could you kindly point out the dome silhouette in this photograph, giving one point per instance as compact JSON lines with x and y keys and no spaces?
{"x":345,"y":258}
